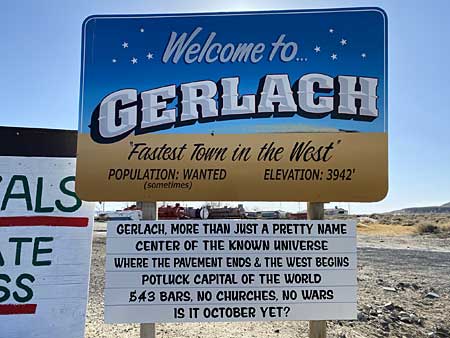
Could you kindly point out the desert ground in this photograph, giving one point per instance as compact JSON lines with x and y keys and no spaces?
{"x":403,"y":288}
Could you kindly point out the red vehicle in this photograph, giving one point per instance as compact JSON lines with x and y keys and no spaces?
{"x":171,"y":212}
{"x":298,"y":215}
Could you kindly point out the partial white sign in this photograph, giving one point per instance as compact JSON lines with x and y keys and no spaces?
{"x":45,"y":249}
{"x":230,"y":270}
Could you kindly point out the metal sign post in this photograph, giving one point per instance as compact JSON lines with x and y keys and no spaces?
{"x":149,"y":212}
{"x":317,"y":328}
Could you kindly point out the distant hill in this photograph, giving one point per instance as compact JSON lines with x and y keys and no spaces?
{"x":443,"y":209}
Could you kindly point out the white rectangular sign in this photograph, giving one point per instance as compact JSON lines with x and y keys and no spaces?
{"x":45,"y":249}
{"x":230,"y":270}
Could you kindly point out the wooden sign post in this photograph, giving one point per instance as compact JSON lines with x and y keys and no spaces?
{"x":317,"y":328}
{"x":149,"y":212}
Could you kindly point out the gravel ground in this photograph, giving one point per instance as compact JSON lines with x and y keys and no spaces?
{"x":395,"y":275}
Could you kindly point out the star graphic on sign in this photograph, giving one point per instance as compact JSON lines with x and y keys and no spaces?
{"x":334,"y":56}
{"x":317,"y":49}
{"x":331,"y":30}
{"x":142,"y":30}
{"x":114,"y":60}
{"x":125,"y":44}
{"x":363,"y":55}
{"x":149,"y":56}
{"x":133,"y":60}
{"x":343,"y":42}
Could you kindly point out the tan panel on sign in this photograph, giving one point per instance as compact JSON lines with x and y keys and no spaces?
{"x":332,"y":167}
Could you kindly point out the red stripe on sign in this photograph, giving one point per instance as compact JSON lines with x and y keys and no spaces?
{"x":49,"y":221}
{"x":17,"y":309}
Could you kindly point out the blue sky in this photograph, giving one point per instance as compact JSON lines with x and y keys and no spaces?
{"x":40,"y":75}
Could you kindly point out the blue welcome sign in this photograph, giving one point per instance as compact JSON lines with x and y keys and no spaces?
{"x":288,"y":105}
